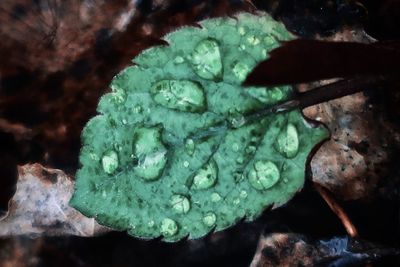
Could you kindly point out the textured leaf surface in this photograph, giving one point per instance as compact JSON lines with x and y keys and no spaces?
{"x":172,"y":153}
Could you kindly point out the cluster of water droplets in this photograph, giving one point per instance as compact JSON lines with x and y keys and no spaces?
{"x":149,"y":153}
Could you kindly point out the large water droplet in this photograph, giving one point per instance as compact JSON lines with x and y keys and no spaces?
{"x":110,"y":161}
{"x":180,"y":204}
{"x":240,"y":70}
{"x":206,"y":176}
{"x":215,"y":197}
{"x":182,"y":95}
{"x":263,"y":175}
{"x":252,"y":39}
{"x":209,"y":219}
{"x":206,"y":60}
{"x":168,"y":227}
{"x":287,"y":141}
{"x":149,"y":152}
{"x":190,"y":146}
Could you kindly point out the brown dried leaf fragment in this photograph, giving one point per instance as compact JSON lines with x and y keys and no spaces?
{"x":290,"y":250}
{"x":40,"y":206}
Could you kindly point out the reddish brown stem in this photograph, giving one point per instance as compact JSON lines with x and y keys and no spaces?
{"x":338,"y":210}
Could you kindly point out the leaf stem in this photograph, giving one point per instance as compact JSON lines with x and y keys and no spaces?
{"x":338,"y":210}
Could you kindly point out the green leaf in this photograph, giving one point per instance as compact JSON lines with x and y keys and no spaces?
{"x":173,"y":153}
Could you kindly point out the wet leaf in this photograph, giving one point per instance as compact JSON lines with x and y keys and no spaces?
{"x":173,"y":153}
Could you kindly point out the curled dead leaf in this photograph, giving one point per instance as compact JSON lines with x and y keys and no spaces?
{"x":40,"y":206}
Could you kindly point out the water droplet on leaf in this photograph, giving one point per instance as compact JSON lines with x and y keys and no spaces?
{"x":118,"y":94}
{"x":235,"y":147}
{"x":182,"y":95}
{"x":276,"y":94}
{"x":263,"y":175}
{"x":215,"y":197}
{"x":238,"y":121}
{"x":149,"y":152}
{"x":94,"y":156}
{"x":240,"y":160}
{"x":253,"y":40}
{"x":287,"y":141}
{"x":137,"y":109}
{"x":206,"y":60}
{"x":179,"y":60}
{"x":250,"y":149}
{"x":110,"y":161}
{"x":168,"y":227}
{"x":206,"y":176}
{"x":190,"y":146}
{"x":180,"y":204}
{"x":117,"y":147}
{"x":209,"y":219}
{"x":270,"y":41}
{"x":242,"y":30}
{"x":240,"y":70}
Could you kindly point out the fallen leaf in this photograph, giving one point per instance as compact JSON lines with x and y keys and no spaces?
{"x":40,"y":206}
{"x":176,"y":144}
{"x":290,"y":250}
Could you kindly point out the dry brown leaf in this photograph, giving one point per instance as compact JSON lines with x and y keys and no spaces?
{"x":40,"y":206}
{"x":348,"y":163}
{"x":291,"y":250}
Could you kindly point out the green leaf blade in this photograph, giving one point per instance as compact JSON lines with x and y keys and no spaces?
{"x":170,"y":153}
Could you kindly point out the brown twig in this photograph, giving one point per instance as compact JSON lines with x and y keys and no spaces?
{"x":341,"y":88}
{"x":338,"y":210}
